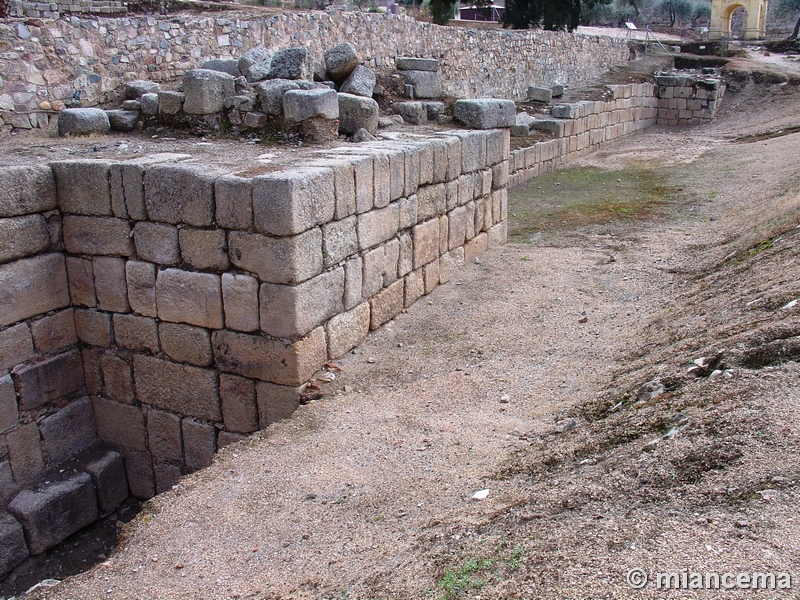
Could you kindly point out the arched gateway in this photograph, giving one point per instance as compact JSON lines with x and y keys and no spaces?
{"x":721,"y":11}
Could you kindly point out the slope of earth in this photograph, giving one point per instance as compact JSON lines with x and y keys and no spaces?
{"x":589,"y":325}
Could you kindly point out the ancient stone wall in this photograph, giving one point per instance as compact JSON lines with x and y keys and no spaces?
{"x":687,"y":100}
{"x":89,"y":59}
{"x":186,"y":306}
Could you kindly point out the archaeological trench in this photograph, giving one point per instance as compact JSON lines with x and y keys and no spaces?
{"x":154,"y":309}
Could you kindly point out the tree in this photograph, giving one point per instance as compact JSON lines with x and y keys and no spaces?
{"x":442,"y":10}
{"x":548,"y":14}
{"x":789,"y":6}
{"x":675,"y":9}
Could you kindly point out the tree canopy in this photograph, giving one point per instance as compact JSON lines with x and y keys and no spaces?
{"x":548,"y":14}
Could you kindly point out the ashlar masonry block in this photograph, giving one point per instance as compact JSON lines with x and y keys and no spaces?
{"x":180,"y":194}
{"x":291,"y":202}
{"x":278,"y":260}
{"x":186,"y":297}
{"x":83,"y":187}
{"x":177,"y":388}
{"x":32,"y":286}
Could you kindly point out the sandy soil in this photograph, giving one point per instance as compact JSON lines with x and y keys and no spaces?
{"x":368,"y":492}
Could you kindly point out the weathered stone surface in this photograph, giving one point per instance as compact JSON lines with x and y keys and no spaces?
{"x":223,"y":65}
{"x":193,"y":298}
{"x":299,"y":105}
{"x":118,"y":424}
{"x":177,"y":388}
{"x":240,"y":300}
{"x":291,"y":63}
{"x":339,"y":240}
{"x":23,"y":236}
{"x":180,"y":194}
{"x":97,"y":236}
{"x":431,"y":201}
{"x":164,"y":434}
{"x":278,"y":260}
{"x":118,"y":379}
{"x":53,"y":333}
{"x":149,"y":104}
{"x":340,"y":61}
{"x":206,"y":91}
{"x":68,"y":431}
{"x":51,"y":513}
{"x":386,"y":304}
{"x":275,"y":402}
{"x":434,"y":110}
{"x":93,"y":327}
{"x":81,"y":281}
{"x":426,"y":242}
{"x":557,"y":90}
{"x":292,"y":311}
{"x":353,"y":281}
{"x":226,"y":438}
{"x":380,"y":268}
{"x":498,"y":235}
{"x":49,"y":380}
{"x":107,"y":470}
{"x":415,"y":287}
{"x":347,"y":330}
{"x":123,"y":120}
{"x":204,"y":249}
{"x":8,"y":404}
{"x":430,"y":274}
{"x":412,"y":112}
{"x":234,"y":200}
{"x":566,"y":111}
{"x":361,"y":82}
{"x":186,"y":344}
{"x":409,"y":63}
{"x":135,"y":89}
{"x":270,"y":95}
{"x":253,"y":56}
{"x":357,"y":112}
{"x":539,"y":94}
{"x":377,"y":226}
{"x":290,"y":202}
{"x":141,"y":278}
{"x":32,"y":286}
{"x":91,"y":370}
{"x":485,"y":114}
{"x":199,"y":444}
{"x":83,"y":121}
{"x":13,"y":549}
{"x":25,"y":190}
{"x":110,"y":285}
{"x":426,"y":83}
{"x":16,"y":346}
{"x":239,"y":409}
{"x":170,"y":103}
{"x":156,"y":243}
{"x":141,"y":480}
{"x":167,"y":475}
{"x":270,"y":360}
{"x":475,"y":247}
{"x":25,"y":453}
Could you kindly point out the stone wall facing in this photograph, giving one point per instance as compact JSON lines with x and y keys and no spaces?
{"x":687,"y":100}
{"x":88,"y":60}
{"x":167,"y":309}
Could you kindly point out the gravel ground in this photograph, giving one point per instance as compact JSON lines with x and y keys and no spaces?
{"x":367,"y":493}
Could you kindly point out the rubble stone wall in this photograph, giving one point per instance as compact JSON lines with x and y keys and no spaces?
{"x":687,"y":100}
{"x":183,"y":307}
{"x":90,"y":59}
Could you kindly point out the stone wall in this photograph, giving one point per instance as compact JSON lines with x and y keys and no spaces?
{"x":52,"y":10}
{"x":687,"y":100}
{"x":87,"y":60}
{"x":187,"y":307}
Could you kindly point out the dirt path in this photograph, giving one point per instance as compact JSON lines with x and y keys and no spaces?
{"x":367,"y":493}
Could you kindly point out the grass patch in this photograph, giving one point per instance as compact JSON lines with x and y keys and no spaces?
{"x":584,"y":196}
{"x":476,"y":573}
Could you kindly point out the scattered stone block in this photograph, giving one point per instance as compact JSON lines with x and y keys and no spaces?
{"x":557,"y":90}
{"x":206,"y":91}
{"x":291,"y":63}
{"x":170,"y":103}
{"x":52,"y":513}
{"x":299,"y":105}
{"x":485,"y":114}
{"x":132,"y":105}
{"x":426,"y":83}
{"x":360,"y":83}
{"x":83,"y":122}
{"x":177,"y":388}
{"x":340,"y":61}
{"x":68,"y":431}
{"x":357,"y":112}
{"x":412,"y":112}
{"x":434,"y":110}
{"x":107,"y":470}
{"x":539,"y":94}
{"x":13,"y":549}
{"x":253,"y":56}
{"x":520,"y":131}
{"x":223,"y":65}
{"x":255,"y":120}
{"x":566,"y":111}
{"x":270,"y":95}
{"x":149,"y":104}
{"x":123,"y":120}
{"x":554,"y":126}
{"x":136,"y":89}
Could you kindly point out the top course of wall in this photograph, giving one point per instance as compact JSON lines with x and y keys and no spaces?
{"x":89,"y":59}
